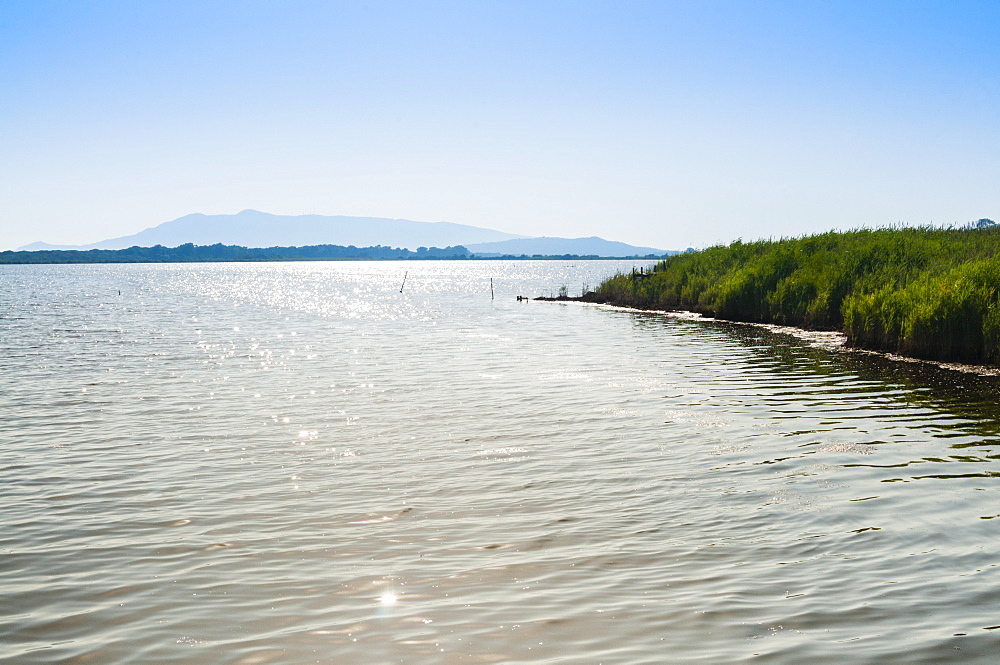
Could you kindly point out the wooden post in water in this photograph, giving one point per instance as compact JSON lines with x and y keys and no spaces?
{"x":405,"y":273}
{"x":491,"y":288}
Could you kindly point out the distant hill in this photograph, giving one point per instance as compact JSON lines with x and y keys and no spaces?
{"x":252,"y":228}
{"x":45,"y":247}
{"x":592,"y":246}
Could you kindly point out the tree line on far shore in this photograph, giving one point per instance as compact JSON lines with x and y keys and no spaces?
{"x":931,"y":293}
{"x":191,"y":253}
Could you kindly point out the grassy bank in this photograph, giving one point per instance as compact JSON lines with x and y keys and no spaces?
{"x":922,"y":292}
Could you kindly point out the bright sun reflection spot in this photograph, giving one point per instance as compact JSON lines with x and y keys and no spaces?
{"x":388,"y":598}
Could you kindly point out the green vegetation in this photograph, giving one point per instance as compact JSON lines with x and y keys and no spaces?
{"x":190,"y":253}
{"x":922,"y":292}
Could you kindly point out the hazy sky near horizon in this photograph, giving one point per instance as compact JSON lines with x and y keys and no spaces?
{"x":667,"y":124}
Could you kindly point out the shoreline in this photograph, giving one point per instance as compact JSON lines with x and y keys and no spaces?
{"x":832,"y":340}
{"x":923,"y":292}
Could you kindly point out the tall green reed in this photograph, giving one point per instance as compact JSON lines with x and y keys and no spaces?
{"x":924,"y":292}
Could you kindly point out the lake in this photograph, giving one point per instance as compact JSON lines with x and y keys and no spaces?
{"x":291,"y":463}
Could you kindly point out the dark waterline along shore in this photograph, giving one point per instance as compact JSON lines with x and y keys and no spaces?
{"x":923,"y":293}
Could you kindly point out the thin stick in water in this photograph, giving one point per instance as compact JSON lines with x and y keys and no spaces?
{"x":405,"y":273}
{"x":491,"y":288}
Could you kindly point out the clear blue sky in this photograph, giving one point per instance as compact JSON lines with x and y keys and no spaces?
{"x":667,"y":124}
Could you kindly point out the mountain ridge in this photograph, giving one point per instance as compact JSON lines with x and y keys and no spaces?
{"x":253,"y":228}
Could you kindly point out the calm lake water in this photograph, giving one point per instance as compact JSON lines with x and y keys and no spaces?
{"x":296,"y":463}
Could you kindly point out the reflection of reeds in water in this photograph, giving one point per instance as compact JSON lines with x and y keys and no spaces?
{"x":922,"y":292}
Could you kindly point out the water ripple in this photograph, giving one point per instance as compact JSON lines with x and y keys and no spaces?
{"x":288,"y":463}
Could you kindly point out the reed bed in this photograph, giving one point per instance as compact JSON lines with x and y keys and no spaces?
{"x":922,"y":292}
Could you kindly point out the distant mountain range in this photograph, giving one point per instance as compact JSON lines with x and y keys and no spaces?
{"x":252,"y":228}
